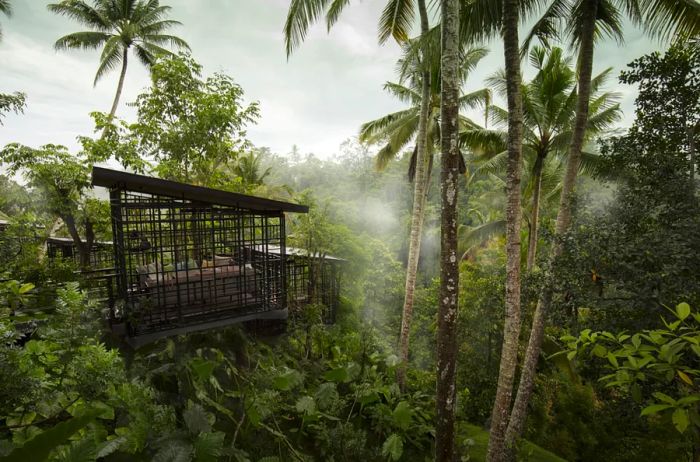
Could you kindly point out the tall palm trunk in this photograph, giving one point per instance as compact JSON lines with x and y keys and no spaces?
{"x":511,"y":328}
{"x":120,"y":85}
{"x":529,"y":369}
{"x":449,"y":270}
{"x":535,"y":218}
{"x":418,"y":213}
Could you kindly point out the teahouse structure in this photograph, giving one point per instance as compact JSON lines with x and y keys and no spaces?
{"x":190,"y":258}
{"x":101,"y":253}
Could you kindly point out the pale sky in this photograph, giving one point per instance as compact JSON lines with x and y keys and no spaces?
{"x":316,"y":99}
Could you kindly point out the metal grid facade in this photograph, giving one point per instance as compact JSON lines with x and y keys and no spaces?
{"x":184,"y":262}
{"x":313,"y":280}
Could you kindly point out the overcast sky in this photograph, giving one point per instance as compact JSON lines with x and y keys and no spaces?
{"x":316,"y":99}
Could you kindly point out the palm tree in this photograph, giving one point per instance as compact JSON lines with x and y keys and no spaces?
{"x":396,"y":21}
{"x":446,"y":350}
{"x":584,"y":22}
{"x":548,"y":111}
{"x":396,"y":130}
{"x":249,"y":168}
{"x":5,"y":8}
{"x":511,"y":328}
{"x":116,"y":27}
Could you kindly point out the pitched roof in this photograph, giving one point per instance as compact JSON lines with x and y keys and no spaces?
{"x":140,"y":183}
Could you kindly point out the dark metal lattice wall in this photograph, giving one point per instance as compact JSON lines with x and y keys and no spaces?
{"x":183,"y":262}
{"x":313,"y":280}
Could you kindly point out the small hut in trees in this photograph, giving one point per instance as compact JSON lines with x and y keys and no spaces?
{"x":190,"y":258}
{"x":101,"y":253}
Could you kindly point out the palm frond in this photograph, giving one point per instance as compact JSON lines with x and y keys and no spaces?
{"x":473,"y":237}
{"x":666,"y":19}
{"x":111,"y":57}
{"x":471,"y":57}
{"x":301,"y":15}
{"x":498,"y":115}
{"x":334,"y":11}
{"x":157,"y":27}
{"x":6,"y":8}
{"x":164,"y":39}
{"x":396,"y":20}
{"x":491,"y":163}
{"x":402,"y":93}
{"x":600,"y":79}
{"x":148,"y":56}
{"x":422,"y":52}
{"x":603,"y":120}
{"x":475,"y":99}
{"x":87,"y":40}
{"x":592,"y":165}
{"x":548,"y":26}
{"x":378,"y":129}
{"x":483,"y":142}
{"x":82,"y":13}
{"x":149,"y":13}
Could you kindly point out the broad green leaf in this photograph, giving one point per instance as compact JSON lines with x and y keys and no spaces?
{"x":664,"y":397}
{"x":684,"y":377}
{"x":393,"y":447}
{"x":680,"y":419}
{"x":636,"y":341}
{"x":600,"y":351}
{"x":636,"y":393}
{"x":306,"y":405}
{"x":655,"y":408}
{"x":203,"y":368}
{"x":682,"y":311}
{"x":613,"y":359}
{"x":402,"y":415}
{"x":287,"y":380}
{"x":39,"y":447}
{"x":338,"y":375}
{"x":689,"y":399}
{"x":197,"y":419}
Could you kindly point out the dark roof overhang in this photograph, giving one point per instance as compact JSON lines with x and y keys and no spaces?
{"x":115,"y":179}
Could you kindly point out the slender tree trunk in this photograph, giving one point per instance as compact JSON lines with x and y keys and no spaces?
{"x":449,"y":269}
{"x":529,"y":369}
{"x":81,"y":247}
{"x":53,"y":230}
{"x":692,"y":133}
{"x":418,"y":213}
{"x":535,"y":221}
{"x":120,"y":85}
{"x":511,"y":327}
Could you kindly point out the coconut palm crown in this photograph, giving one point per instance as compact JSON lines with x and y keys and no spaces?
{"x":549,"y":104}
{"x":396,"y":130}
{"x":117,"y":26}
